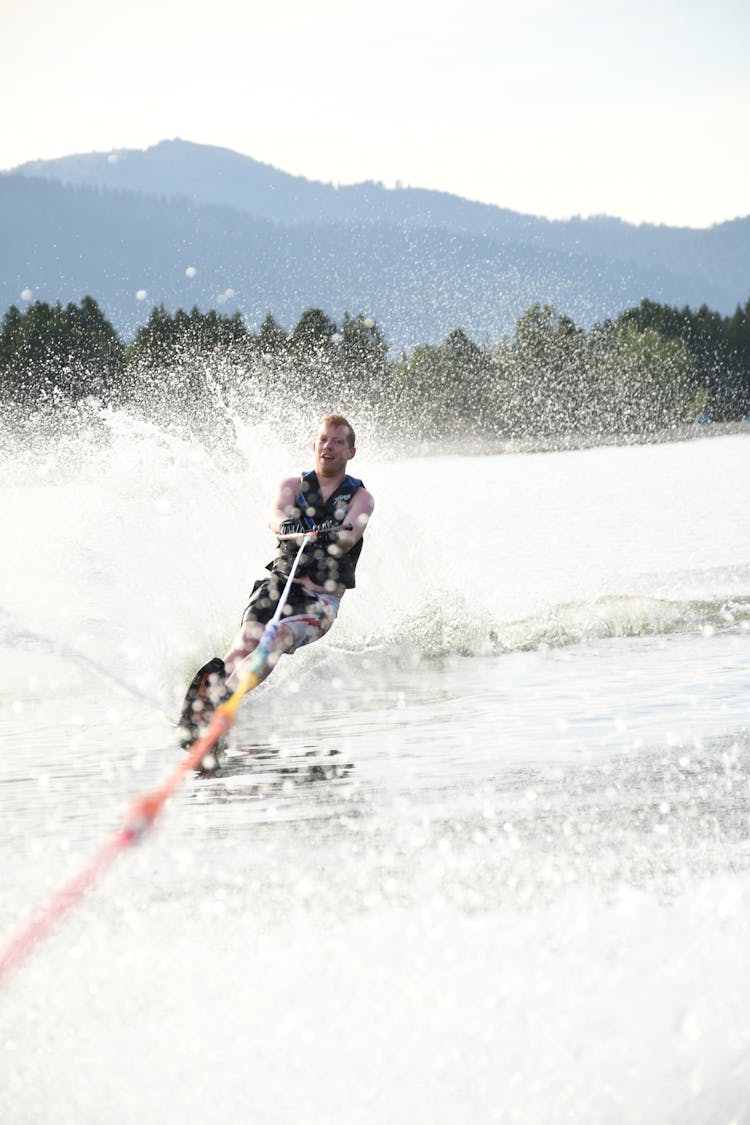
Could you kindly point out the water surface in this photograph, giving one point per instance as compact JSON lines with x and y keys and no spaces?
{"x":481,"y":855}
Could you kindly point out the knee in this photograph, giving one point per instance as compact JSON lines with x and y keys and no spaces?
{"x":248,"y":637}
{"x":242,"y":645}
{"x":284,"y":638}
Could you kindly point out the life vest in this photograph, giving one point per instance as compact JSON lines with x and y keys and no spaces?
{"x":321,"y":564}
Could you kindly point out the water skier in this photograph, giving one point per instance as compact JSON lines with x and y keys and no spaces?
{"x":325,"y":499}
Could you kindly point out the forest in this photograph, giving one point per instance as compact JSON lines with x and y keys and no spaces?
{"x":652,"y":368}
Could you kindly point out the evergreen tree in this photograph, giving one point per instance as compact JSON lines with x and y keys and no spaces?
{"x":155,"y":341}
{"x":362,"y":352}
{"x":312,"y":335}
{"x":643,"y":380}
{"x":271,"y":338}
{"x":51,"y":352}
{"x":547,"y":374}
{"x":169,"y":339}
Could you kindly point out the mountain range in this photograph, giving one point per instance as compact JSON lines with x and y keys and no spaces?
{"x":185,"y":224}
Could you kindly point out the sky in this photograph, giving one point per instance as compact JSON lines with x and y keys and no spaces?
{"x":639,"y":109}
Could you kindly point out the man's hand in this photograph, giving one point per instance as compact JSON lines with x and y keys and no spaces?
{"x":323,"y":532}
{"x":293,"y":527}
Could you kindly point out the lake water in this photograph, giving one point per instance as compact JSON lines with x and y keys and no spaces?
{"x":480,"y":855}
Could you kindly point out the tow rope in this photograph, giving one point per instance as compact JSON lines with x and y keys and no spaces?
{"x":145,"y":809}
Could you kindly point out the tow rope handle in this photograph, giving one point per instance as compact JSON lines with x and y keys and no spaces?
{"x":314,"y":531}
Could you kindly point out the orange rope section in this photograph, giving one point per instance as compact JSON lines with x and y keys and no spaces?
{"x":145,"y":810}
{"x":141,"y":816}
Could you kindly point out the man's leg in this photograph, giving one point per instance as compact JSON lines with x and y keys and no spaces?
{"x":294,"y":632}
{"x":238,"y":658}
{"x":214,"y":682}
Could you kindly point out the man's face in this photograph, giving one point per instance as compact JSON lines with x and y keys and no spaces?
{"x":332,"y":450}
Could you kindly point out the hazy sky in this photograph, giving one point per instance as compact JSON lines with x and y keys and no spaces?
{"x":633,"y":108}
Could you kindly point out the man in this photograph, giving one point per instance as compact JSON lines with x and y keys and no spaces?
{"x":324,"y":498}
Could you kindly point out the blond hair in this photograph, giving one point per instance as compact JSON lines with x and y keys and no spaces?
{"x":339,"y":420}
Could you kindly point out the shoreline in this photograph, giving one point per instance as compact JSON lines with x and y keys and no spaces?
{"x":486,"y":446}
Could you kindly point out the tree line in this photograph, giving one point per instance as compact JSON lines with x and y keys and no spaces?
{"x":652,"y":367}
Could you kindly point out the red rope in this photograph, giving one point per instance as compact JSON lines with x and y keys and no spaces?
{"x":145,"y":810}
{"x":142,"y":815}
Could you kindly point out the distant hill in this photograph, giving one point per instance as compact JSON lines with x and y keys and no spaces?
{"x":204,"y":174}
{"x":420,"y":262}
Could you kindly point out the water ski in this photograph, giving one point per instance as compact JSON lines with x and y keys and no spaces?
{"x":206,"y":691}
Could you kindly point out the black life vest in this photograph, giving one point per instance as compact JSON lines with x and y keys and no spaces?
{"x":320,"y":561}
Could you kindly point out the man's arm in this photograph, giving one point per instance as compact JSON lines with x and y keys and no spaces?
{"x":284,"y":505}
{"x":359,"y":513}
